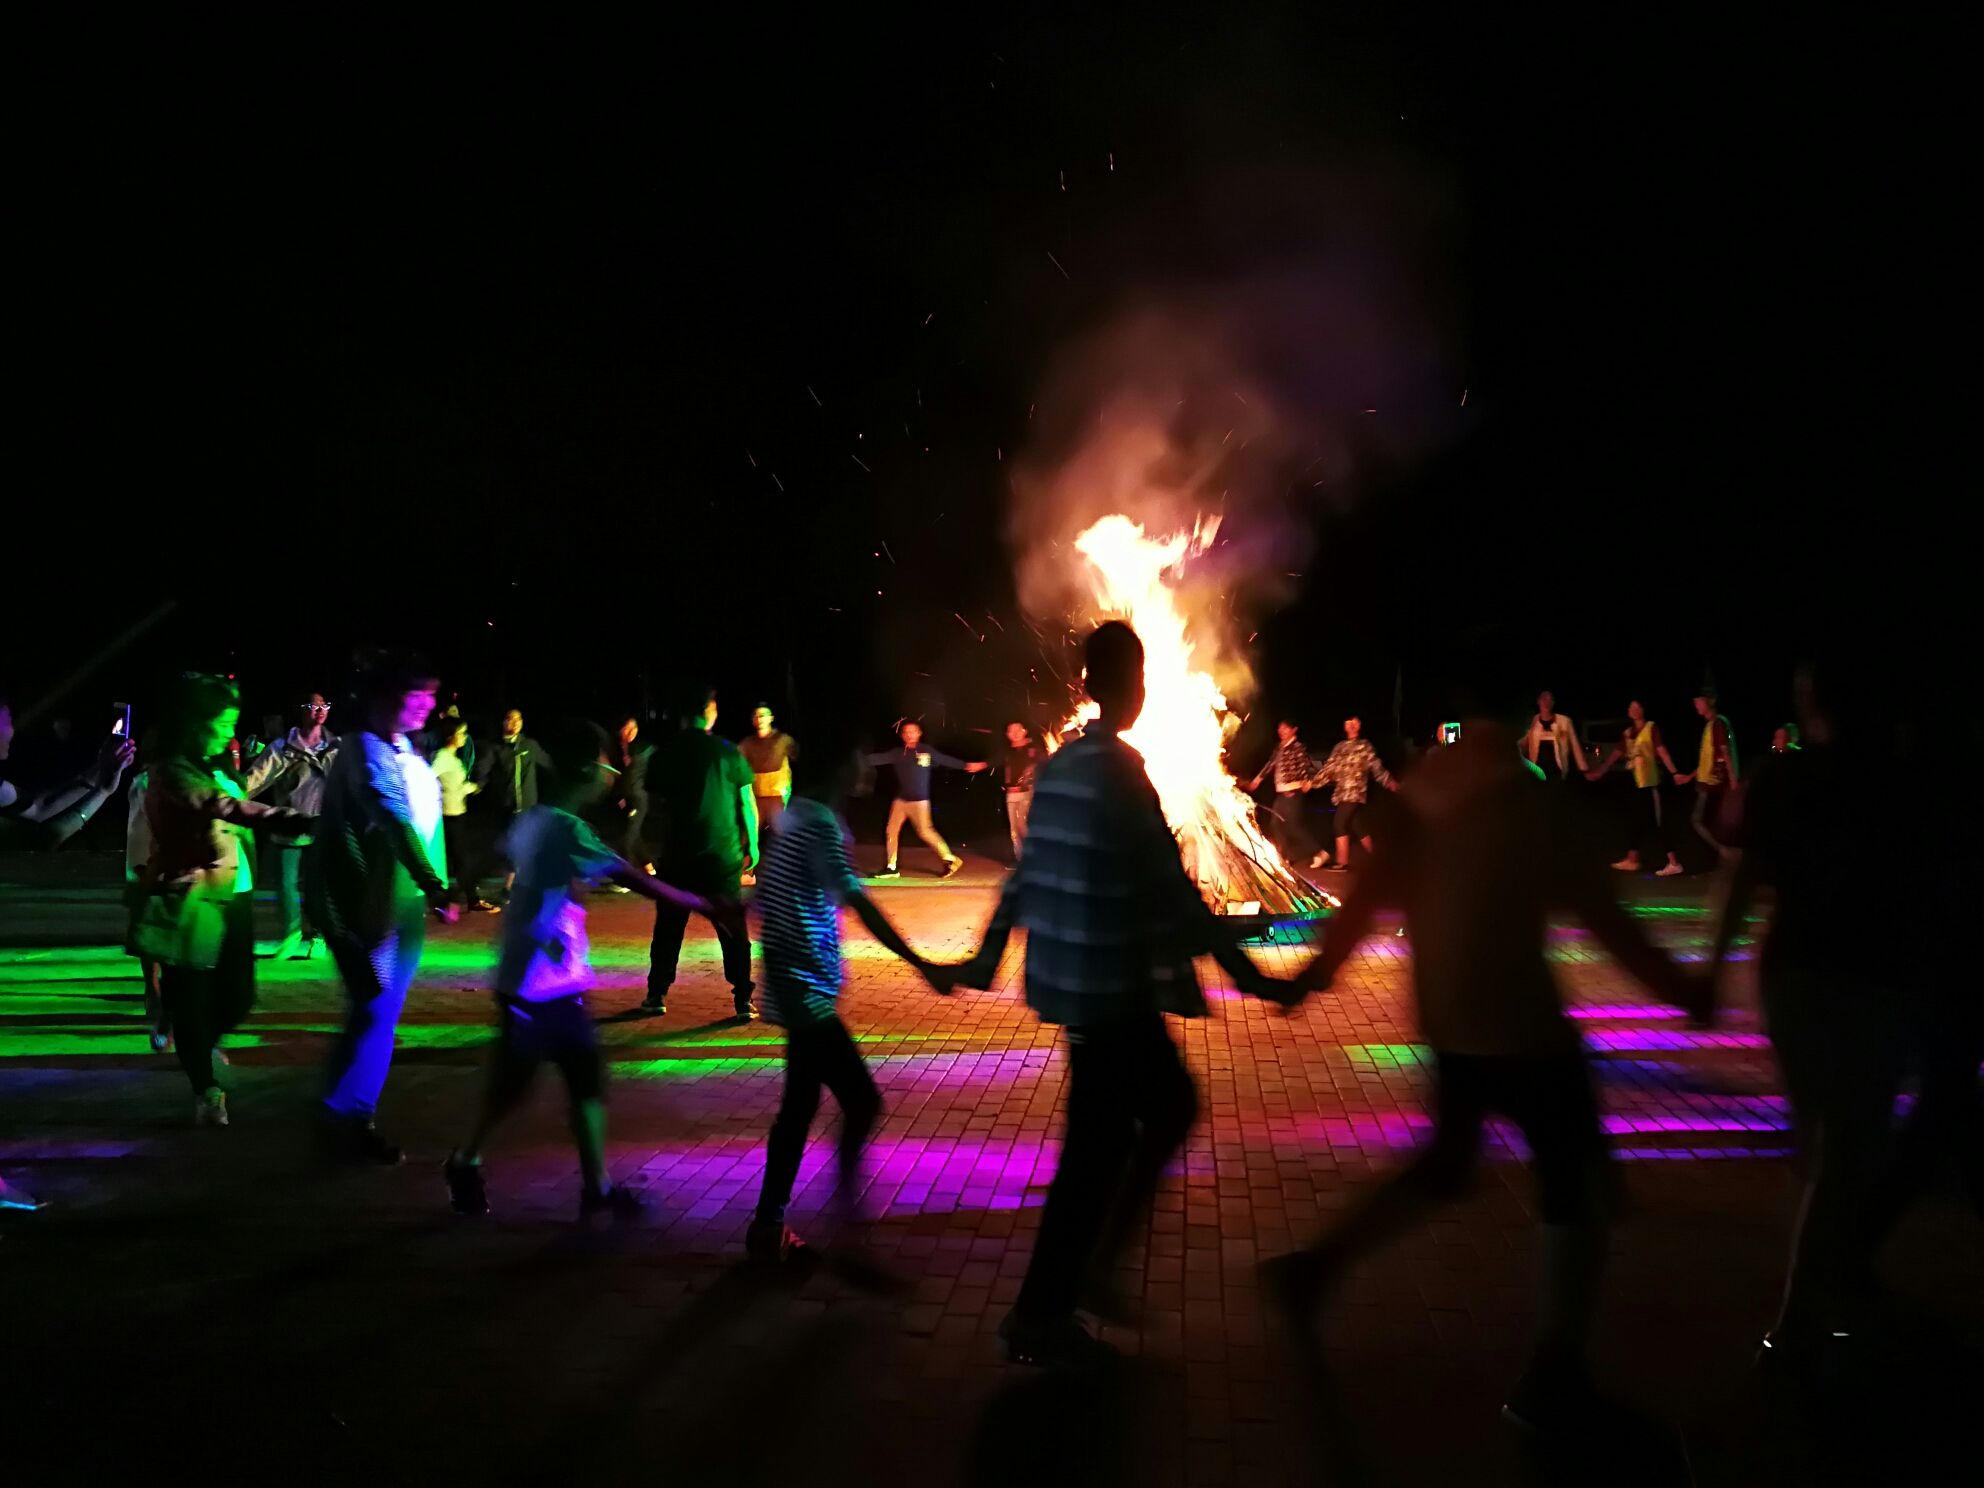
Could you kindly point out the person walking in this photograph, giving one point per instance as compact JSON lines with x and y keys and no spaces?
{"x":291,"y":772}
{"x":544,"y":972}
{"x":1112,"y":924}
{"x":1349,"y":771}
{"x":195,"y":904}
{"x":706,"y":808}
{"x":1714,"y":775}
{"x":769,"y":753}
{"x":1477,"y":864}
{"x":1023,"y":758}
{"x":1645,"y":754}
{"x":379,"y":869}
{"x":804,"y":883}
{"x":912,"y":764}
{"x":1295,"y":775}
{"x":507,"y":773}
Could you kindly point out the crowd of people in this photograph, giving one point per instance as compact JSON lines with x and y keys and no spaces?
{"x":363,"y":835}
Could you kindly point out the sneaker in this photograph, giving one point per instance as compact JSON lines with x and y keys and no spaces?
{"x":1318,"y":860}
{"x":767,"y":1242}
{"x":889,"y":872}
{"x":616,"y":1199}
{"x":1339,"y":868}
{"x":369,"y":1147}
{"x":742,"y":1010}
{"x":1064,"y":1342}
{"x":18,"y":1200}
{"x":951,"y":868}
{"x":307,"y":951}
{"x":161,"y":1040}
{"x":210,"y":1109}
{"x":1670,"y":871}
{"x":355,"y":1141}
{"x":654,"y":1003}
{"x":483,"y":906}
{"x":467,"y":1194}
{"x":1628,"y":865}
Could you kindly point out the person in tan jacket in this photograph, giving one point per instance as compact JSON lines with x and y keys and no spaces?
{"x":195,"y":904}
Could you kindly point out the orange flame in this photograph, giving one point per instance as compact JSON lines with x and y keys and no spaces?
{"x":1186,"y":724}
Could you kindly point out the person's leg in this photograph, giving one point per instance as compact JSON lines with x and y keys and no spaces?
{"x":844,"y":1072}
{"x":513,"y":1061}
{"x":157,"y":1018}
{"x":733,"y":939}
{"x":1551,"y":1101}
{"x":919,"y":817}
{"x":1701,"y":816}
{"x":1165,"y":1103}
{"x":575,"y":1048}
{"x":454,"y":842}
{"x":1096,"y":1140}
{"x":1437,"y":1173}
{"x":376,"y":983}
{"x":665,"y":950}
{"x":892,"y":834}
{"x":1019,"y":804}
{"x":188,"y":1001}
{"x":234,"y":973}
{"x":289,"y":895}
{"x":787,"y":1144}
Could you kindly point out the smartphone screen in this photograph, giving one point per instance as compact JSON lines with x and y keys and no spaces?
{"x":120,"y":725}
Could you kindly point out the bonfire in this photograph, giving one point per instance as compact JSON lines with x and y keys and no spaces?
{"x":1186,"y":723}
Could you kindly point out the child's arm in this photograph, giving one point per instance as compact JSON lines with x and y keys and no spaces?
{"x":877,"y":924}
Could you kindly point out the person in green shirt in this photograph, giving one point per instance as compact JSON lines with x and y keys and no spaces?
{"x":706,"y":826}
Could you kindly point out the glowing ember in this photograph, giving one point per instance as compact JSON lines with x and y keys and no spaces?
{"x":1185,"y":725}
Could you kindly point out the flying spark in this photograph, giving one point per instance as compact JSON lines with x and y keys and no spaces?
{"x":1057,"y":264}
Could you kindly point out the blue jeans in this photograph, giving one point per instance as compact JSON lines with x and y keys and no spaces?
{"x":376,"y":979}
{"x":289,"y":894}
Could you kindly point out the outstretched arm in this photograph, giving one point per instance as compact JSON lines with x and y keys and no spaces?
{"x":877,"y":924}
{"x":627,"y":875}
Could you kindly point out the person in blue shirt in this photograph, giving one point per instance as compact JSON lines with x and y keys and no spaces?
{"x":912,"y":764}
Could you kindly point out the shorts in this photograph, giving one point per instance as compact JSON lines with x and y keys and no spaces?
{"x":1550,"y":1100}
{"x":556,"y":1031}
{"x":1349,"y":821}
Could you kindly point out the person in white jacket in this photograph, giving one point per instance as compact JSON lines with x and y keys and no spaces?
{"x":1551,"y":743}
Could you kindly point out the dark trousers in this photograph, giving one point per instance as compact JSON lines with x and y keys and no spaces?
{"x":1130,"y":1106}
{"x":207,"y":1002}
{"x":1840,"y":1046}
{"x":665,"y":951}
{"x":454,"y":840}
{"x":1288,"y":829}
{"x":816,"y":1055}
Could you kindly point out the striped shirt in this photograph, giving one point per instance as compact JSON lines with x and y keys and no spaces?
{"x":1112,"y":921}
{"x":802,"y":883}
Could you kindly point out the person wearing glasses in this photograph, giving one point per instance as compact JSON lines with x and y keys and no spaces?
{"x":291,"y":772}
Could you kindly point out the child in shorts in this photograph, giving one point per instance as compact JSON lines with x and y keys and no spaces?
{"x":544,"y":972}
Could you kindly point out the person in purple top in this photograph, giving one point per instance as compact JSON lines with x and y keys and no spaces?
{"x":912,"y":764}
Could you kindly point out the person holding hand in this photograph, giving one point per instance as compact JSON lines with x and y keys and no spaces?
{"x":1112,"y":924}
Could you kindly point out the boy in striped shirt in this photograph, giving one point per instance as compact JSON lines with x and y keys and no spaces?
{"x":803,"y":881}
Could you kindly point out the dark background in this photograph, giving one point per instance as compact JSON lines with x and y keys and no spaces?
{"x":583,"y":357}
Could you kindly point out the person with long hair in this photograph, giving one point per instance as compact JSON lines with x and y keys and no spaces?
{"x":195,"y":903}
{"x":380,"y":866}
{"x":1645,"y":753}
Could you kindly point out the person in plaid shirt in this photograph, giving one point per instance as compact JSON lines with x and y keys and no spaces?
{"x":1294,"y":774}
{"x":1350,"y":769}
{"x":1112,"y":926}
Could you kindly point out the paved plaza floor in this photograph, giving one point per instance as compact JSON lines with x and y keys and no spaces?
{"x":217,"y":1306}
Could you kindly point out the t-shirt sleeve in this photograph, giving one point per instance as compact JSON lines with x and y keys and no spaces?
{"x":737,"y":769}
{"x":591,"y":858}
{"x":831,"y":867}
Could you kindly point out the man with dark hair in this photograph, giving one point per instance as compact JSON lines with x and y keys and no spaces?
{"x":1350,"y":769}
{"x":1714,"y":774}
{"x":1294,"y":775}
{"x":913,"y":763}
{"x":378,"y":868}
{"x":1475,"y":861}
{"x":769,"y":753}
{"x":1023,"y":758}
{"x":704,"y":801}
{"x":291,"y":772}
{"x":1112,"y":923}
{"x":506,"y":774}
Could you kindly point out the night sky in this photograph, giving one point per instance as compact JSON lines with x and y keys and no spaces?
{"x":582,"y":358}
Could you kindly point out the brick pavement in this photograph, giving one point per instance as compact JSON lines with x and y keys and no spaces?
{"x":301,"y":1324}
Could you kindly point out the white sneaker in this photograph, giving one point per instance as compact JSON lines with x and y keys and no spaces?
{"x":1627,"y":865}
{"x":1669,"y":871}
{"x":1318,"y":860}
{"x":210,"y":1109}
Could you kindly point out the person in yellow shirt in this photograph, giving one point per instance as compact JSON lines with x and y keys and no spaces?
{"x":1714,"y":774}
{"x":1645,"y":753}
